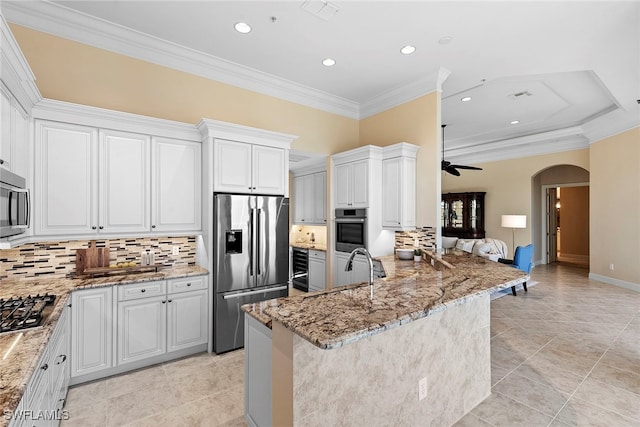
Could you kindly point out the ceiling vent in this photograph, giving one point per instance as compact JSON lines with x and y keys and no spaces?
{"x":518,"y":95}
{"x":322,"y":9}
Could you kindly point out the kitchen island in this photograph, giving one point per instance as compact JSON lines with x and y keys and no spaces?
{"x":417,"y":354}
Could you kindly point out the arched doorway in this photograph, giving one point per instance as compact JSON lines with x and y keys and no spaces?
{"x":560,"y":215}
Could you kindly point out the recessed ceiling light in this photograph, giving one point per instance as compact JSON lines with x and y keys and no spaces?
{"x":407,"y":50}
{"x":515,"y":122}
{"x":242,"y":27}
{"x":445,"y":40}
{"x":466,"y":99}
{"x":328,"y":62}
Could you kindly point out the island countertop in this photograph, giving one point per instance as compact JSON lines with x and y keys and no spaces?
{"x":336,"y":317}
{"x":20,"y":350}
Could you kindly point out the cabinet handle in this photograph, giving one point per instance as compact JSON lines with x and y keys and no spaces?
{"x":189,"y":284}
{"x":64,"y":358}
{"x":164,"y":302}
{"x":101,"y":227}
{"x":94,"y":227}
{"x":170,"y":300}
{"x":69,"y":305}
{"x":64,"y":402}
{"x":143,"y":290}
{"x":1,"y":162}
{"x":153,"y":226}
{"x":44,"y":367}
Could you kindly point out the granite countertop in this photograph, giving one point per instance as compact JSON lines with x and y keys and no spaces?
{"x":332,"y":318}
{"x":20,"y":350}
{"x":307,"y":245}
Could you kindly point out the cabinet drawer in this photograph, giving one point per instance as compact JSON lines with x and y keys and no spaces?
{"x":187,"y":284}
{"x":320,"y":255}
{"x":141,"y":290}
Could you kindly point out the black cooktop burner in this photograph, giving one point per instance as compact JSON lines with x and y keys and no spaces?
{"x":24,"y":312}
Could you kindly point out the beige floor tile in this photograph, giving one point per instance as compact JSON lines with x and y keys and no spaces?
{"x":196,"y":386}
{"x":151,"y":378}
{"x":617,"y":377}
{"x":188,"y":366}
{"x":126,"y":408}
{"x":535,"y":395}
{"x":610,"y":398}
{"x":84,"y":395}
{"x":583,"y":414}
{"x":627,"y":362}
{"x":549,"y":374}
{"x":471,"y":420}
{"x":94,"y":415}
{"x":505,"y":358}
{"x":500,"y":411}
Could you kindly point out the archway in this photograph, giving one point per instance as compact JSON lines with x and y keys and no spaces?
{"x":546,"y":210}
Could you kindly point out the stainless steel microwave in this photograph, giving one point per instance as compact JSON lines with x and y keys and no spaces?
{"x":351,"y":229}
{"x":14,"y":204}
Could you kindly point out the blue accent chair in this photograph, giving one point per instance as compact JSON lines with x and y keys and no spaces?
{"x":522,"y":261}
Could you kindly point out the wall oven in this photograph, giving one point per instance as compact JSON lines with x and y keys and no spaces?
{"x":14,"y":204}
{"x":351,"y":229}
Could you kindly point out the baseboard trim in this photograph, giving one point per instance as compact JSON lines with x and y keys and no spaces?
{"x":616,"y":282}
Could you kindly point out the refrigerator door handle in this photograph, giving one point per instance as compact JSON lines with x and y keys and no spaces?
{"x":251,"y":234}
{"x":244,"y":294}
{"x":259,"y":254}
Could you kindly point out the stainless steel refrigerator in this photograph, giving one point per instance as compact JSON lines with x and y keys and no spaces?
{"x":250,"y":260}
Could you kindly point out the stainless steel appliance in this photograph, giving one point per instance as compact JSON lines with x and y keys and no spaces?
{"x":351,"y":229}
{"x":300,"y":262}
{"x":250,"y":262}
{"x":14,"y":204}
{"x":25,"y":312}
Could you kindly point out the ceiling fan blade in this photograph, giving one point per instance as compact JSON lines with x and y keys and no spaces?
{"x":474,"y":168}
{"x":444,"y":164}
{"x":452,"y":170}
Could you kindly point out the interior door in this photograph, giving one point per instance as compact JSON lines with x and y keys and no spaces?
{"x":552,"y":226}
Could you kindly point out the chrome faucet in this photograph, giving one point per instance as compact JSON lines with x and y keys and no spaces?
{"x":349,"y":266}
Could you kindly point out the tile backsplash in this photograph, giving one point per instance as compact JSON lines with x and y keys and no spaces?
{"x":51,"y":259}
{"x":426,"y":238}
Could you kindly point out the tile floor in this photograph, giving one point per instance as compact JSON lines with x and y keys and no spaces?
{"x":567,"y":353}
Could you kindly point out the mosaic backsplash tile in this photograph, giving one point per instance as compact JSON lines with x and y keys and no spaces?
{"x":426,"y":238}
{"x":53,"y":259}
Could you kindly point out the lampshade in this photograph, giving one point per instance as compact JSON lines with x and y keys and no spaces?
{"x":514,"y":221}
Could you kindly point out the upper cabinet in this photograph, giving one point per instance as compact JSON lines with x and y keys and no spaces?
{"x":463,"y":215}
{"x":352,"y":180}
{"x":245,"y":160}
{"x":248,"y":168}
{"x":399,"y":186}
{"x":92,"y":181}
{"x":309,"y":199}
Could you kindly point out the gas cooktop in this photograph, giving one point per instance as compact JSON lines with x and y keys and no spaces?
{"x":25,"y":312}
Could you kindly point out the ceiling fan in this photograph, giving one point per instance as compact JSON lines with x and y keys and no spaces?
{"x":448,"y":167}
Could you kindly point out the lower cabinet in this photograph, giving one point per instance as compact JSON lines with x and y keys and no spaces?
{"x":257,"y":373}
{"x":43,"y":402}
{"x":359,"y":272}
{"x":316,"y":273}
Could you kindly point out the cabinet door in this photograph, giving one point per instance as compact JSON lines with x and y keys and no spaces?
{"x":124,"y":182}
{"x":268,"y":170}
{"x":298,"y":200}
{"x":66,"y":179}
{"x":187,"y":319}
{"x":5,"y":129}
{"x":361,"y":269}
{"x":320,"y":198}
{"x":232,"y":167}
{"x":91,"y":330}
{"x":20,"y":140}
{"x":360,"y":184}
{"x":341,"y":277}
{"x":308,"y":198}
{"x":317,"y":279}
{"x":141,"y":328}
{"x":343,"y":186}
{"x":176,"y":185}
{"x":391,"y":200}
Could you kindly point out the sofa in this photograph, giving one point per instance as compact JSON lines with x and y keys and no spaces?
{"x":488,"y":248}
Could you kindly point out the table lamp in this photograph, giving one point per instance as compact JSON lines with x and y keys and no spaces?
{"x":513,"y":222}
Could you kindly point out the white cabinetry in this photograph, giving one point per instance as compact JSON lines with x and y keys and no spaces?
{"x":176,"y":183}
{"x":257,"y":372}
{"x":316,"y":273}
{"x":155,"y":318}
{"x":91,"y":330}
{"x":249,"y":168}
{"x":46,"y":391}
{"x":352,"y":181}
{"x":399,"y":186}
{"x":309,"y":198}
{"x":14,"y":128}
{"x":359,"y":273}
{"x":92,"y":181}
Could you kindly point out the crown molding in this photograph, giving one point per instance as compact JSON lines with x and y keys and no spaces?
{"x":217,"y":129}
{"x":64,"y":22}
{"x":611,"y":124}
{"x":49,"y":109}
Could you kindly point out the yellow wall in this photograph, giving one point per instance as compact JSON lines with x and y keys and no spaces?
{"x":69,"y":71}
{"x":508,"y":184}
{"x":417,"y":122}
{"x":615,"y":206}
